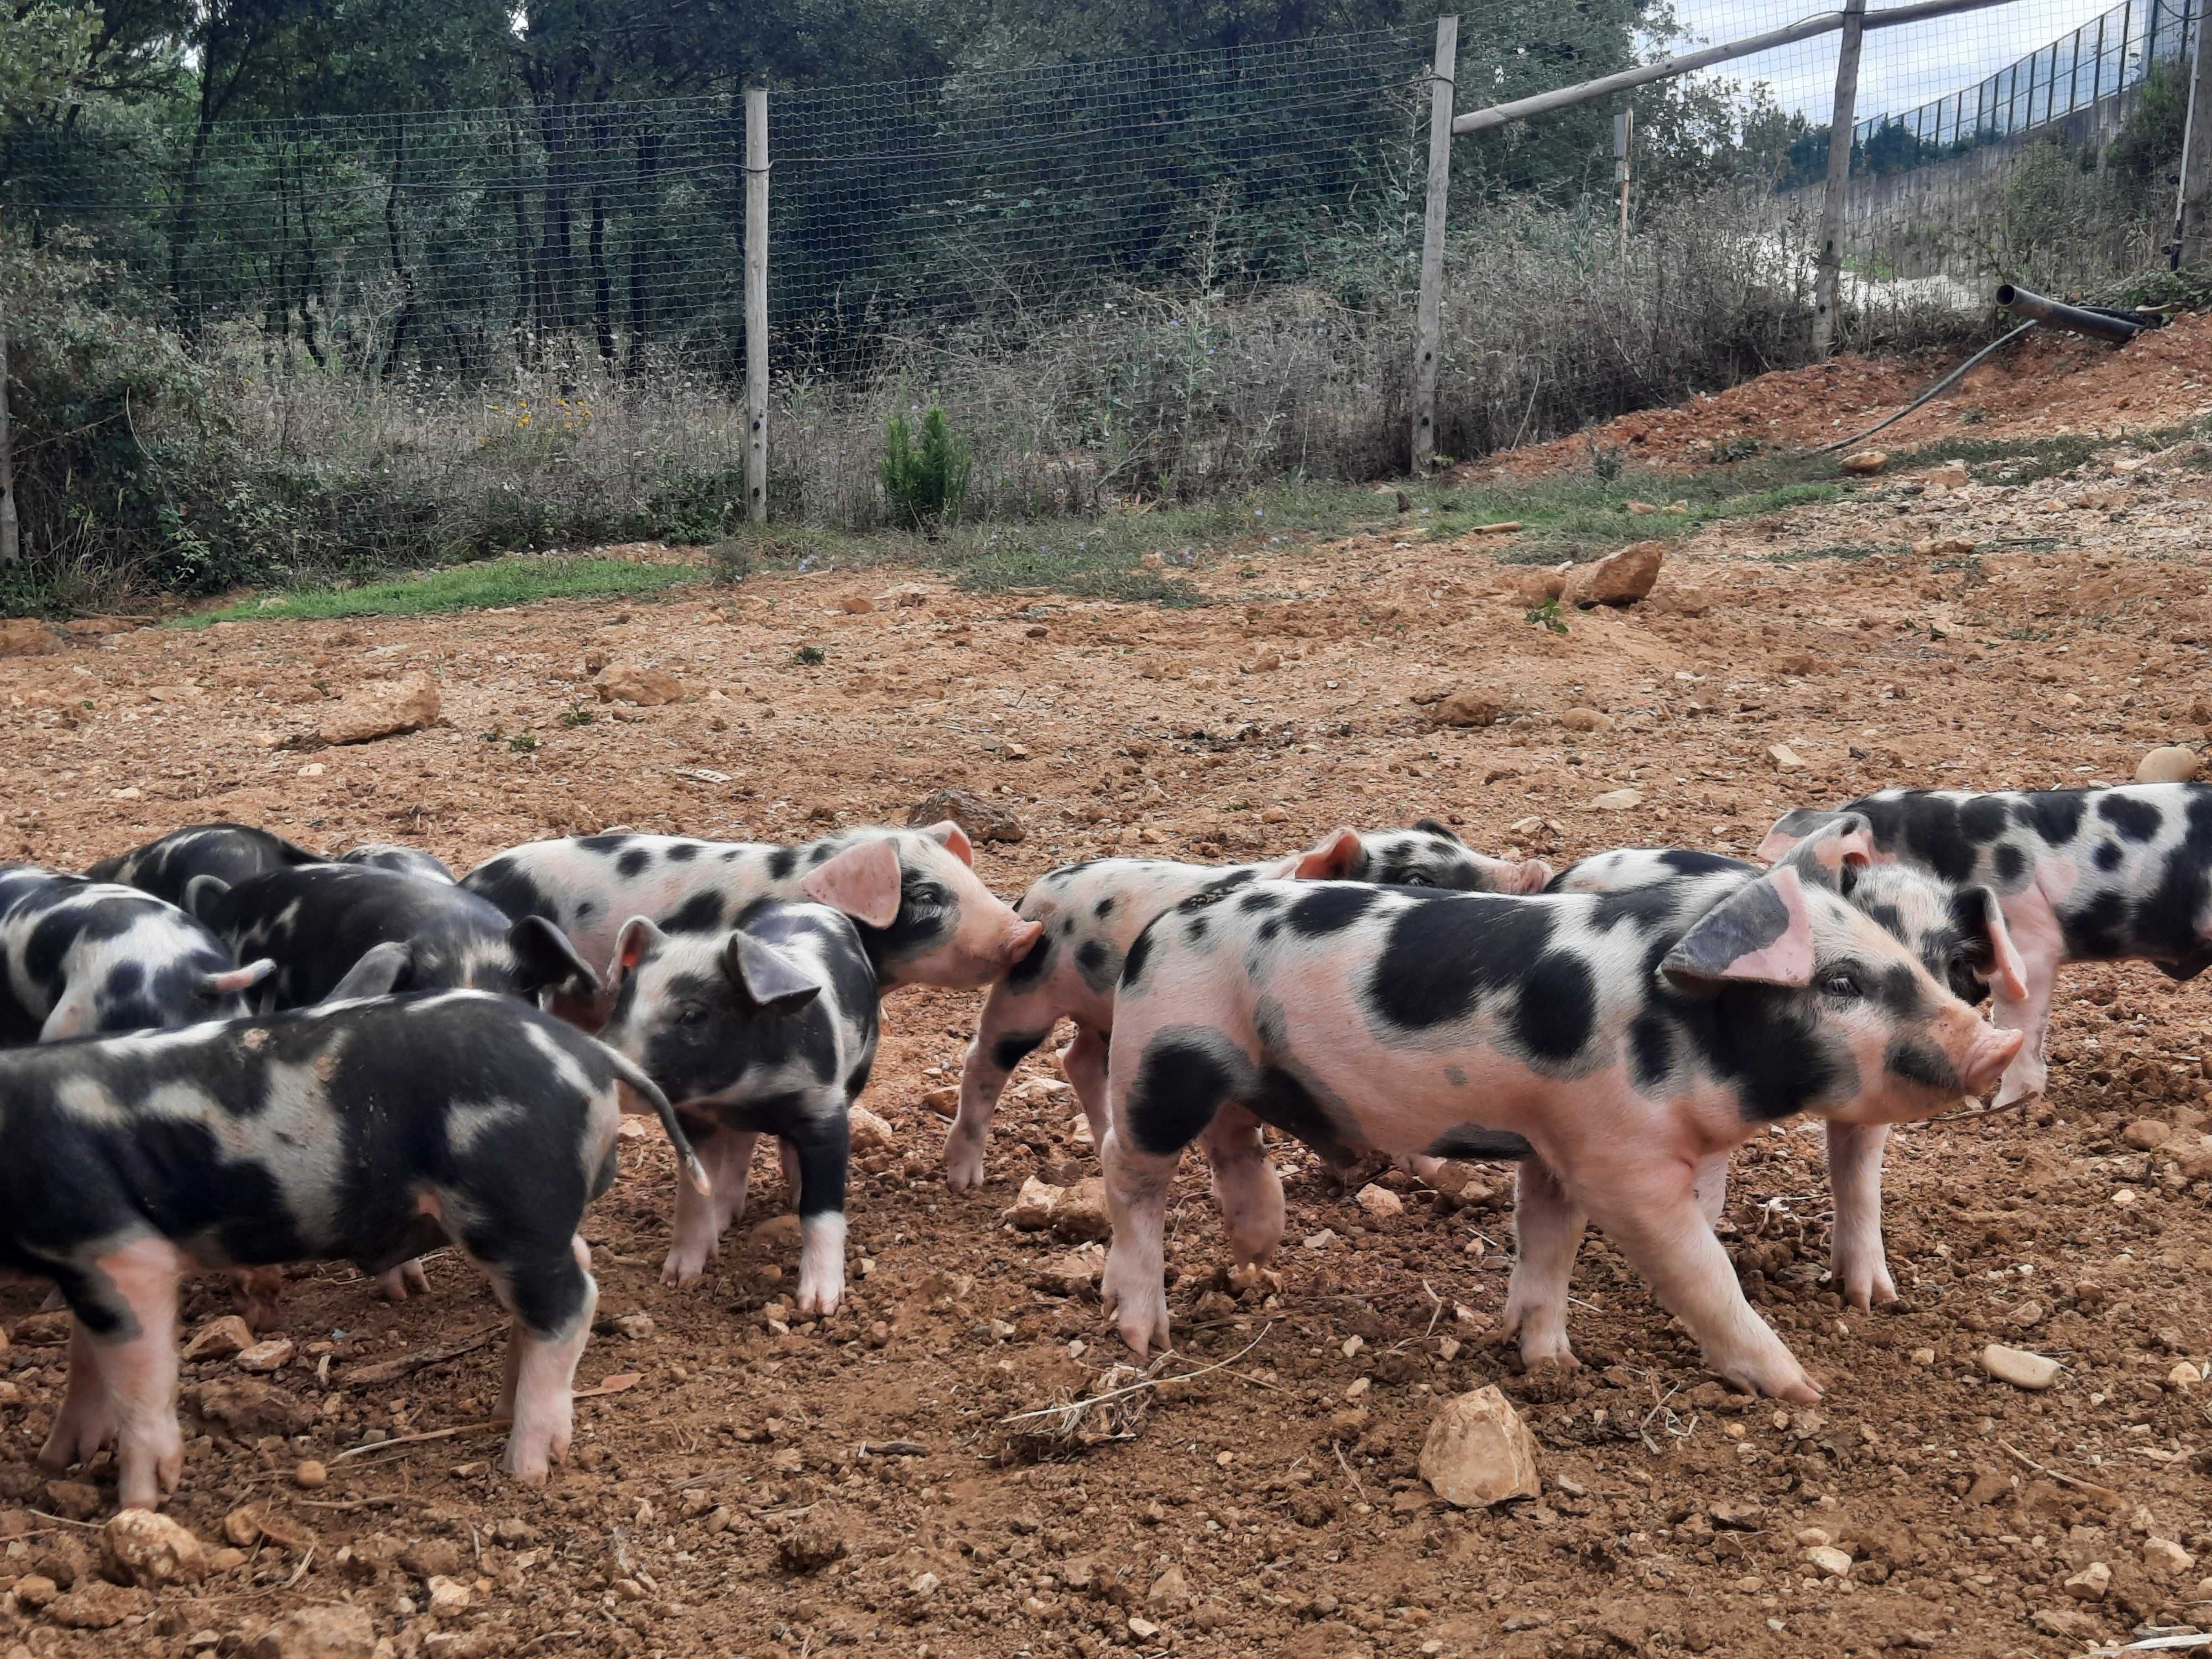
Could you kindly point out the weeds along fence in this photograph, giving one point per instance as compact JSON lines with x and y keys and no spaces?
{"x":245,"y":349}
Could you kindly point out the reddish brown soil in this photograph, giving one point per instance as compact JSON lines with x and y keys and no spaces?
{"x":2045,"y":385}
{"x":1283,"y":1487}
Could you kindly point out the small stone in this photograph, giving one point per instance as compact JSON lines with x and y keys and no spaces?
{"x":2019,"y":1367}
{"x":380,"y":709}
{"x":151,"y":1550}
{"x":242,"y":1527}
{"x":1923,"y":1356}
{"x":432,"y":1557}
{"x":1832,"y":1562}
{"x":1586,"y":719}
{"x":1171,"y":1591}
{"x":1951,"y":475}
{"x":1863,"y":464}
{"x":220,"y":1339}
{"x":1467,"y":706}
{"x":1785,"y":758}
{"x":95,"y":1604}
{"x":1478,"y":1452}
{"x":2090,"y":1583}
{"x":636,"y":1327}
{"x":309,"y":1475}
{"x":632,"y":683}
{"x":1943,"y":547}
{"x":2025,"y":1316}
{"x":1320,"y":1240}
{"x":1617,"y":800}
{"x":944,"y":1101}
{"x":2172,"y":764}
{"x":1142,"y":1629}
{"x":73,"y":1498}
{"x":777,"y":1232}
{"x":447,"y":1595}
{"x":1081,"y":1212}
{"x":1071,"y":1274}
{"x":2184,"y":1376}
{"x":35,"y":1590}
{"x":924,"y":1586}
{"x":2147,"y":1135}
{"x":261,"y":1357}
{"x":870,"y":1134}
{"x":857,"y":605}
{"x":1033,"y":1206}
{"x":41,"y":1330}
{"x":26,"y":636}
{"x":1380,"y":1202}
{"x":2166,"y":1558}
{"x":983,"y":819}
{"x":1738,"y":1517}
{"x":330,"y":1630}
{"x":813,"y":1542}
{"x":1621,"y":577}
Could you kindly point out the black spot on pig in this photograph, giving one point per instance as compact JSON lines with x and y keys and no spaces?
{"x":1918,"y":1062}
{"x":1009,"y":1050}
{"x":2012,"y":865}
{"x":1443,"y":956}
{"x":1182,"y":1081}
{"x":699,"y":914}
{"x":781,"y":862}
{"x":2053,"y":814}
{"x":1330,"y":907}
{"x":1473,"y":1140}
{"x":2135,"y":820}
{"x":684,"y":852}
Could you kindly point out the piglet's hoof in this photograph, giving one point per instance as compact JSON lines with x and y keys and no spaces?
{"x":409,"y":1275}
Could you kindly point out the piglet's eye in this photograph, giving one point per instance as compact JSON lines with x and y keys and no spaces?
{"x":691,"y":1014}
{"x":926,"y":894}
{"x":1841,"y":983}
{"x":1414,"y":879}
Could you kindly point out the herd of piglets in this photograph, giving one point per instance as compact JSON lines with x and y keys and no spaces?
{"x":225,"y":1052}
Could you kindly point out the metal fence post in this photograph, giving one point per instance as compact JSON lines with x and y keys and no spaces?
{"x":1828,"y":279}
{"x":757,"y":304}
{"x":11,"y":549}
{"x":2190,"y":241}
{"x":1428,"y":310}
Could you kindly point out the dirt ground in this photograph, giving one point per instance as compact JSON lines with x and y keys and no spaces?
{"x":763,"y":1489}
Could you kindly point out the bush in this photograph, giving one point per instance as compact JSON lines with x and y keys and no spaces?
{"x":925,"y":485}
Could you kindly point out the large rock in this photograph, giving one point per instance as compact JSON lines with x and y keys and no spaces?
{"x":1479,"y":1452}
{"x":2172,"y":764}
{"x":95,"y":1604}
{"x":26,"y":636}
{"x":2023,"y":1369}
{"x":219,"y":1339}
{"x":1621,"y":577}
{"x":629,"y":682}
{"x":333,"y":1631}
{"x":151,"y":1550}
{"x":1081,"y":1212}
{"x":1864,"y":463}
{"x":870,"y":1134}
{"x":247,"y":1409}
{"x":382,"y":709}
{"x":983,"y":819}
{"x":1467,"y":706}
{"x":1033,"y":1206}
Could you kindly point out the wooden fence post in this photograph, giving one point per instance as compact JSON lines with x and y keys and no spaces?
{"x":1828,"y":271}
{"x":1428,"y":309}
{"x":2191,"y":245}
{"x":757,"y":304}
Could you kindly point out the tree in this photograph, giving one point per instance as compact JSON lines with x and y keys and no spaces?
{"x":43,"y":53}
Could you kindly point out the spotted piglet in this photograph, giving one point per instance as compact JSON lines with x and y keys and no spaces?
{"x":1957,"y":934}
{"x":2083,"y":875}
{"x":1092,"y":913}
{"x":361,"y":1131}
{"x":232,"y":852}
{"x":768,"y":1028}
{"x":1612,"y":1045}
{"x":79,"y":957}
{"x":923,"y":915}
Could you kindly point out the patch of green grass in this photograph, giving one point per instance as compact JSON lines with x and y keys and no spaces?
{"x":1850,"y":550}
{"x":477,"y":586}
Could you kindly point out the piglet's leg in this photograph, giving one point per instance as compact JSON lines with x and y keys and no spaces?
{"x":2028,"y":1073}
{"x":1548,"y":1231}
{"x":698,"y":1220}
{"x":824,"y":1144}
{"x":138,"y":1363}
{"x":1134,"y":1290}
{"x":409,"y":1276}
{"x":1855,"y":1252}
{"x":1014,"y":1023}
{"x":729,"y":1172}
{"x":86,"y":1421}
{"x":1246,"y":1190}
{"x":1084,"y":1060}
{"x":1656,"y":1223}
{"x":260,"y":1293}
{"x":553,"y":1302}
{"x":1711,"y":1181}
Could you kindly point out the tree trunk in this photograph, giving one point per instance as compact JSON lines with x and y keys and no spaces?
{"x":524,"y":339}
{"x":603,"y":287}
{"x":557,"y":257}
{"x":400,"y":268}
{"x":644,"y":232}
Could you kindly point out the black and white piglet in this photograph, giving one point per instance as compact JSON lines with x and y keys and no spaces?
{"x":317,"y":920}
{"x":768,"y":1028}
{"x":2084,"y":875}
{"x":83,"y":956}
{"x":361,"y":1131}
{"x":232,"y":852}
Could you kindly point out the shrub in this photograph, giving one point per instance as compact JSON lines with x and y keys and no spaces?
{"x":926,"y":484}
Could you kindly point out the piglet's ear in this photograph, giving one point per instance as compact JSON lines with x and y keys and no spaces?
{"x":1339,"y":857}
{"x":200,"y":894}
{"x":548,"y":961}
{"x":638,"y":937}
{"x":1992,"y":954}
{"x":1760,"y":934}
{"x":950,"y":837}
{"x":382,"y":969}
{"x":1530,"y":876}
{"x":863,"y":881}
{"x":1831,"y":854}
{"x":234,"y":981}
{"x":765,"y":977}
{"x":1793,"y":827}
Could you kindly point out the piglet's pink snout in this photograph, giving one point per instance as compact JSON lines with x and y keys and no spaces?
{"x":1992,"y":1051}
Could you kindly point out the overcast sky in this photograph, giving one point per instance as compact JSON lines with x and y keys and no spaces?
{"x":1901,"y":67}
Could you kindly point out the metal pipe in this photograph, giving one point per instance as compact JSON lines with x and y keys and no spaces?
{"x":2055,"y":313}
